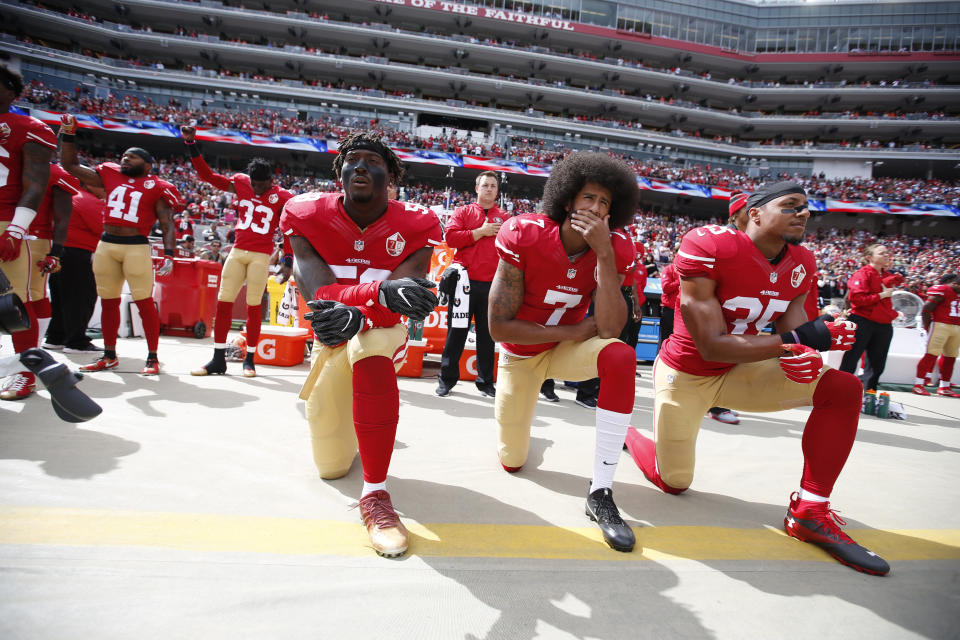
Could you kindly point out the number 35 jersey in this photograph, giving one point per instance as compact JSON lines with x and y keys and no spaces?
{"x":132,"y":202}
{"x":752,"y":292}
{"x":556,"y":290}
{"x":359,"y":255}
{"x":257,"y":216}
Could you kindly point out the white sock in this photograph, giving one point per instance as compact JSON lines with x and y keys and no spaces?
{"x":920,"y":381}
{"x":611,"y":432}
{"x":42,"y":324}
{"x":370,"y":487}
{"x":812,"y":497}
{"x":944,"y":384}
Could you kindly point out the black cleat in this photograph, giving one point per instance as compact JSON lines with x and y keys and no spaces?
{"x":487,"y":390}
{"x":602,"y":510}
{"x":442,"y":389}
{"x":550,"y":395}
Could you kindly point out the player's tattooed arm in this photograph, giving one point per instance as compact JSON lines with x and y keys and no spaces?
{"x":506,"y":297}
{"x":704,"y":319}
{"x":36,"y":174}
{"x":310,"y":270}
{"x":416,"y":265}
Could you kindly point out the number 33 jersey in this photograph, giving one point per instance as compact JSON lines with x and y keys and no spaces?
{"x":257,"y":216}
{"x":556,"y":290}
{"x":360,"y":255}
{"x":132,"y":202}
{"x":752,"y":292}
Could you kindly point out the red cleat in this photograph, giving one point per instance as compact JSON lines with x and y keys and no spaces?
{"x":151,"y":368}
{"x":510,"y":469}
{"x":101,"y":365}
{"x":947,"y":392}
{"x":818,"y":524}
{"x":919,"y":390}
{"x":20,"y":386}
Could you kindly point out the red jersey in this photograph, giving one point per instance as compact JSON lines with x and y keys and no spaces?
{"x":16,"y":131}
{"x":864,"y":289}
{"x":947,"y":310}
{"x":257,"y":216}
{"x":86,"y":221}
{"x":479,"y":257}
{"x":359,"y":255}
{"x":42,"y":225}
{"x":752,"y":292}
{"x":556,"y":289}
{"x":812,"y":304}
{"x":670,"y":284}
{"x":131,"y":202}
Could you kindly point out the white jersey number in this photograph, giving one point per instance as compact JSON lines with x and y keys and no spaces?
{"x":247,"y":209}
{"x":755,"y":312}
{"x":565,"y":300}
{"x":123,"y":203}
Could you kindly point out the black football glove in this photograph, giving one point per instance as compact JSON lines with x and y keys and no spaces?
{"x":334,"y":322}
{"x":448,"y":285}
{"x":410,"y":297}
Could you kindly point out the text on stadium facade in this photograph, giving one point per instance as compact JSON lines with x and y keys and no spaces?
{"x":485,"y":12}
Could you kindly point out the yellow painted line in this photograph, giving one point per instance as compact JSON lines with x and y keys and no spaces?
{"x":225,"y":533}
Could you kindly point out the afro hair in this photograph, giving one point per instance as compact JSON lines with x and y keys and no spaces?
{"x":572,"y":173}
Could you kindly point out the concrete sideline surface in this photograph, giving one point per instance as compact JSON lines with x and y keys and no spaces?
{"x":191,"y":509}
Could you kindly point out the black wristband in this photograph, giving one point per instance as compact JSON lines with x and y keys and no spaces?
{"x":193,"y":148}
{"x":68,"y":137}
{"x":56,"y":250}
{"x":168,"y":252}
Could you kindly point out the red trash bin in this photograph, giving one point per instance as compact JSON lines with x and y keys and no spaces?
{"x":187,"y":297}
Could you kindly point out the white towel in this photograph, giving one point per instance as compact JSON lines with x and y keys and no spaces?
{"x":459,"y":309}
{"x":288,"y":305}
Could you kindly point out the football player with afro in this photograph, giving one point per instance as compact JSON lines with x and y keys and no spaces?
{"x":551,"y":266}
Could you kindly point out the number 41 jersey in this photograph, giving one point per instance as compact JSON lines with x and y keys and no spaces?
{"x":131,"y":202}
{"x":752,"y":292}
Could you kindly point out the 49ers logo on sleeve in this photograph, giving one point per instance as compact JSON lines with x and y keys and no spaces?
{"x":797,"y":275}
{"x":149,"y":184}
{"x":273,"y":198}
{"x":395,"y":244}
{"x":4,"y":132}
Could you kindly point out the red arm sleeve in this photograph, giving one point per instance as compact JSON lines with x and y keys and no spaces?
{"x":362,"y":296}
{"x":207,"y":174}
{"x":455,"y":235}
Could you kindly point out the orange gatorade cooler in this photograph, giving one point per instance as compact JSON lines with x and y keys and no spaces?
{"x":280,"y":346}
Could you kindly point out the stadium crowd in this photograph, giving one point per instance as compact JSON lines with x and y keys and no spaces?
{"x":524,"y":149}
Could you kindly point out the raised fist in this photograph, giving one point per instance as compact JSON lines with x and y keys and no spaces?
{"x":68,"y":124}
{"x":188,"y":132}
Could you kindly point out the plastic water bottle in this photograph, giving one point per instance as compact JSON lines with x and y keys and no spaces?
{"x":883,"y":405}
{"x":870,"y":402}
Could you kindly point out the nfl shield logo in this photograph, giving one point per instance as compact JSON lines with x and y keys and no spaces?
{"x":358,"y":245}
{"x":571,"y":273}
{"x":773,"y":277}
{"x":797,"y":276}
{"x":395,"y":244}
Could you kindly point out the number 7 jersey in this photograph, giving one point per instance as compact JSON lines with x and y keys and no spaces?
{"x":752,"y":292}
{"x":556,"y":290}
{"x":132,"y":202}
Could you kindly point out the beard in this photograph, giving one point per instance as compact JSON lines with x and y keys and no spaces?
{"x":133,"y":172}
{"x":794,"y":240}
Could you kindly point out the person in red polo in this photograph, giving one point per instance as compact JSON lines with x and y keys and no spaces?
{"x":870,"y":289}
{"x":470,"y":233}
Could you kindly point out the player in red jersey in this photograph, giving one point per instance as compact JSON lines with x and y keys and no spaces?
{"x":551,"y":267}
{"x":135,"y":200}
{"x":364,"y":257}
{"x":259,"y":204}
{"x":25,"y":148}
{"x":941,"y":321}
{"x":732,"y":285}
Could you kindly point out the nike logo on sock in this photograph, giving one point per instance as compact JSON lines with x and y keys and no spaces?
{"x":608,"y":463}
